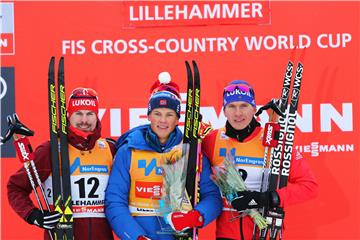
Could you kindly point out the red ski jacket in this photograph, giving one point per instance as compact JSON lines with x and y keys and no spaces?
{"x":19,"y":188}
{"x":301,"y":186}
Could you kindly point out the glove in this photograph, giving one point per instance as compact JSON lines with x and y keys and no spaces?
{"x":143,"y":238}
{"x":46,"y":219}
{"x":249,"y":199}
{"x":274,"y":105}
{"x":181,"y":221}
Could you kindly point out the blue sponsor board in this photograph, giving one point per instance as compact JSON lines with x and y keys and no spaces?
{"x":88,"y":168}
{"x":94,"y":169}
{"x":7,"y":106}
{"x":242,"y":160}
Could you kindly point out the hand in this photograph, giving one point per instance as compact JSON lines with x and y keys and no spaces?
{"x":181,"y":221}
{"x":248,"y":199}
{"x":46,"y":219}
{"x":274,"y":105}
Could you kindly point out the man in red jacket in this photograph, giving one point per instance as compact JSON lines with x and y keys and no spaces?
{"x":86,"y":149}
{"x":242,"y":135}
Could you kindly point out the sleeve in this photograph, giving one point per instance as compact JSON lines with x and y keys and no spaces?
{"x":210,"y":204}
{"x":117,"y":198}
{"x":19,"y":187}
{"x":302,"y":184}
{"x":208,"y":144}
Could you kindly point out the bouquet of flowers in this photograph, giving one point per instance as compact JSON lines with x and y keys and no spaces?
{"x":229,"y":181}
{"x":174,"y":197}
{"x":174,"y":165}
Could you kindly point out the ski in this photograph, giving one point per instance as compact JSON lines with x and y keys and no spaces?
{"x":280,"y":158}
{"x":61,"y":185}
{"x":55,"y":161}
{"x":276,"y":150}
{"x":191,"y":136}
{"x":290,"y":128}
{"x":276,"y":153}
{"x":64,"y":153}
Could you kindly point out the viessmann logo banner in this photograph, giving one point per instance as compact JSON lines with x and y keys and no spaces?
{"x":7,"y":39}
{"x":7,"y":99}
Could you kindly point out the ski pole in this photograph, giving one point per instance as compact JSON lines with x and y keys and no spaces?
{"x":26,"y":156}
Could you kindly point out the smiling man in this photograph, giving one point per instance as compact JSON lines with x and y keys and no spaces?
{"x":132,"y":196}
{"x":87,"y":150}
{"x":242,"y":136}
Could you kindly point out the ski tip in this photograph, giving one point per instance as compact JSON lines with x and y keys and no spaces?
{"x":195,"y":66}
{"x":187,"y":64}
{"x":61,"y":62}
{"x":52,"y":61}
{"x":61,"y":66}
{"x":51,"y":65}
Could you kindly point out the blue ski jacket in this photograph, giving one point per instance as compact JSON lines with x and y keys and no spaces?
{"x":117,"y":211}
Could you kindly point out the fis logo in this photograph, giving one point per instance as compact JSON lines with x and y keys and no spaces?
{"x":149,"y":167}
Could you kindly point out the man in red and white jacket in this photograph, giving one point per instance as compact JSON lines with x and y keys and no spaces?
{"x":242,"y":135}
{"x":86,"y":149}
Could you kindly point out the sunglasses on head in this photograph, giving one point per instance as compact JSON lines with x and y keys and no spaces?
{"x":83,"y":92}
{"x":242,"y":87}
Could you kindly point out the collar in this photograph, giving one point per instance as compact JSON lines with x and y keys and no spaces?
{"x":83,"y":142}
{"x":152,"y":139}
{"x":242,"y":134}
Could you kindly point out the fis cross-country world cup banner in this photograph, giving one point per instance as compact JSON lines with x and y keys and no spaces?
{"x":118,"y":48}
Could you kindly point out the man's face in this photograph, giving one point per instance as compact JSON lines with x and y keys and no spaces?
{"x":84,"y":120}
{"x":163,"y":121}
{"x":239,"y":114}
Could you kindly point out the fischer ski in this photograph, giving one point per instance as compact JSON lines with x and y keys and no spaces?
{"x":61,"y":184}
{"x":281,"y":151}
{"x":191,"y":137}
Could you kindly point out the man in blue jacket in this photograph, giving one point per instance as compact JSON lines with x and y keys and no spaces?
{"x":135,"y":183}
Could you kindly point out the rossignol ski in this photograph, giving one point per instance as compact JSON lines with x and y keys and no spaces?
{"x":61,"y":185}
{"x":191,"y":137}
{"x":281,"y":152}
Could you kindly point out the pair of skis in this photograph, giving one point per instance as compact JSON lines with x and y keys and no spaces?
{"x":191,"y":137}
{"x":281,"y":147}
{"x":61,"y":185}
